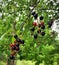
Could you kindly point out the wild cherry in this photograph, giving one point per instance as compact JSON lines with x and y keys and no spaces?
{"x":12,"y":57}
{"x":33,"y":13}
{"x":32,"y":29}
{"x":17,"y":44}
{"x":43,"y":27}
{"x":35,"y":16}
{"x":35,"y":36}
{"x":22,"y":41}
{"x":42,"y":23}
{"x":41,"y":17}
{"x":42,"y":33}
{"x":17,"y":48}
{"x":15,"y":36}
{"x":12,"y":46}
{"x":34,"y":24}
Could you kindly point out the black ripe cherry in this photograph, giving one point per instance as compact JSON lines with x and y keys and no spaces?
{"x":17,"y":44}
{"x":32,"y":29}
{"x":35,"y":16}
{"x":35,"y":36}
{"x":17,"y":39}
{"x":33,"y":13}
{"x":41,"y":17}
{"x":12,"y":57}
{"x":22,"y":41}
{"x":42,"y":33}
{"x":15,"y":36}
{"x":43,"y":27}
{"x":17,"y":48}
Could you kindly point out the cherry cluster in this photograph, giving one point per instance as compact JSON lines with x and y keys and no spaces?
{"x":15,"y":46}
{"x":40,"y":26}
{"x":35,"y":15}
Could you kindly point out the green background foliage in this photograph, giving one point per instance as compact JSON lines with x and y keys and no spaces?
{"x":16,"y":18}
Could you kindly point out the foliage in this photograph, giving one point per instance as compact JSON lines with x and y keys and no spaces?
{"x":16,"y":18}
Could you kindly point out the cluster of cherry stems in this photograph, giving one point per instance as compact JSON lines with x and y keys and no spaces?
{"x":40,"y":25}
{"x":15,"y":47}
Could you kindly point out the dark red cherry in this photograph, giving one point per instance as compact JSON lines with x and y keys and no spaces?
{"x":12,"y":46}
{"x":34,"y":24}
{"x":42,"y":23}
{"x":17,"y":48}
{"x":17,"y":44}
